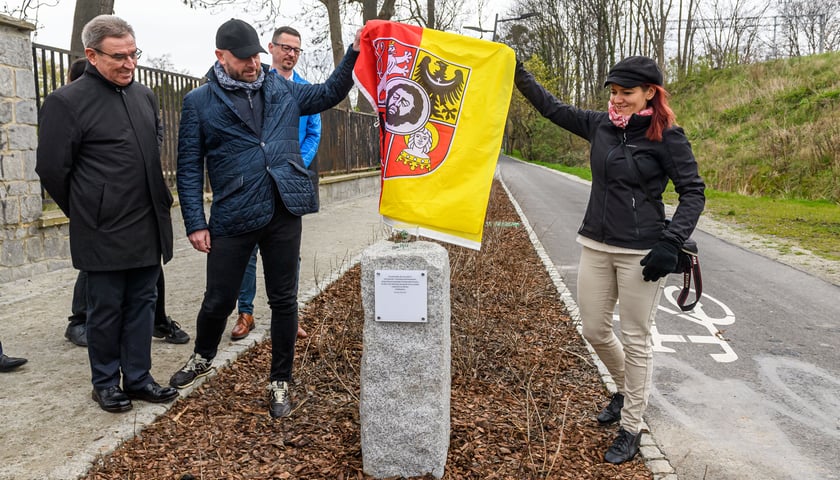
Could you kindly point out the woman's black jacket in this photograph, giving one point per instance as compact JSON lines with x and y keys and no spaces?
{"x":619,"y":213}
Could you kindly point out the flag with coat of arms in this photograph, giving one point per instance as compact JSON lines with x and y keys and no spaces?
{"x":441,"y":101}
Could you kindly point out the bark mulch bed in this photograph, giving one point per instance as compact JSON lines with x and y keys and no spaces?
{"x":524,"y":390}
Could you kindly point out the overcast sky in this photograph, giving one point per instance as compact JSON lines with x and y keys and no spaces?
{"x":169,"y":27}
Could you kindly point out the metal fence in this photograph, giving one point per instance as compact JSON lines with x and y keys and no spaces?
{"x":349,"y":140}
{"x":52,"y":64}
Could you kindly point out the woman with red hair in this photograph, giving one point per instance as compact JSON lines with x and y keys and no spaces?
{"x":627,"y":245}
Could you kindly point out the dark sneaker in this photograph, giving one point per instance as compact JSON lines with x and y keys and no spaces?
{"x":77,"y":334}
{"x":624,"y":448}
{"x":612,"y":412}
{"x":279,"y":399}
{"x":170,"y":331}
{"x":196,"y":367}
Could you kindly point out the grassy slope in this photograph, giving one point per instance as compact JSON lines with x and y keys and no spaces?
{"x":767,"y":138}
{"x":766,"y":129}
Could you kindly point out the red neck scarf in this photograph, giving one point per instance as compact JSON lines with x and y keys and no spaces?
{"x":621,"y":121}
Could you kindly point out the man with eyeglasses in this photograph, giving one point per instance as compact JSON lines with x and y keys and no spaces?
{"x":76,"y":332}
{"x":285,"y":51}
{"x":99,"y":159}
{"x":242,"y":126}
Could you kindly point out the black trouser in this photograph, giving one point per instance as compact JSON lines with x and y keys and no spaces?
{"x":279,"y":243}
{"x":120,"y":318}
{"x":78,"y":307}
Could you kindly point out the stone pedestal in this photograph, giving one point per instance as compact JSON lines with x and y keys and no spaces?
{"x":405,"y":371}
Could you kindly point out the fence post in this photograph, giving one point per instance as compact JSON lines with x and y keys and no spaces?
{"x":348,"y":165}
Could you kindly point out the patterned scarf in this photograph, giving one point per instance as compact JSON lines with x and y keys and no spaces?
{"x":620,"y":120}
{"x":228,"y":83}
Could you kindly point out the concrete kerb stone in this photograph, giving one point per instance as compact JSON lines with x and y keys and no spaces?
{"x":61,"y":436}
{"x":142,"y":414}
{"x":261,"y":330}
{"x":655,"y":459}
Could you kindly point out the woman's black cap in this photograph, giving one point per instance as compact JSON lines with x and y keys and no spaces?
{"x":634,"y":71}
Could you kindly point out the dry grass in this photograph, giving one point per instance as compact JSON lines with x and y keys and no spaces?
{"x":766,"y":129}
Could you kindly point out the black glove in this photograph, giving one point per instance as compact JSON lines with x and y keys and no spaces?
{"x":660,"y":261}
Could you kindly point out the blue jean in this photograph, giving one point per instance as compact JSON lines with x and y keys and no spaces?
{"x":279,"y":244}
{"x":248,"y":288}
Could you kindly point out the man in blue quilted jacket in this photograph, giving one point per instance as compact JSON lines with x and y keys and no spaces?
{"x":285,"y":52}
{"x":243,"y":125}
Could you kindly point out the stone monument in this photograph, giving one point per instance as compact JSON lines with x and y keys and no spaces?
{"x":405,"y":371}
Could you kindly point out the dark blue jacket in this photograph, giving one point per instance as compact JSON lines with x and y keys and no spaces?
{"x":244,"y":167}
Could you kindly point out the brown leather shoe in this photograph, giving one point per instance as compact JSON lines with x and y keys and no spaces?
{"x":244,"y":325}
{"x":301,"y":332}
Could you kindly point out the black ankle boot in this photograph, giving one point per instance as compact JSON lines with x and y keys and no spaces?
{"x":624,"y":448}
{"x":612,"y":412}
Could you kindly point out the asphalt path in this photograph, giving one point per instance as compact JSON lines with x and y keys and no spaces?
{"x":746,"y":386}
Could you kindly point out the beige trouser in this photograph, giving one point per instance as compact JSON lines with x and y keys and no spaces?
{"x":603,"y":279}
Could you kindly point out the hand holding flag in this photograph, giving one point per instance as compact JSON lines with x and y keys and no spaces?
{"x":442,"y":101}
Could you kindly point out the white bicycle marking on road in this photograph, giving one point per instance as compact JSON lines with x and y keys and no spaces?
{"x":699,"y":316}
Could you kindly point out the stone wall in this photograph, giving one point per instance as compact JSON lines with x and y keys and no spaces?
{"x":25,"y":247}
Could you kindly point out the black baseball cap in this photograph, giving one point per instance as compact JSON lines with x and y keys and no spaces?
{"x":238,"y":37}
{"x":634,"y":71}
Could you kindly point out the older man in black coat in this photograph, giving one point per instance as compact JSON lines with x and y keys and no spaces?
{"x":99,"y":159}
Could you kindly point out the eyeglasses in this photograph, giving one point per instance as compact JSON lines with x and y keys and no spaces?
{"x":288,"y":48}
{"x":121,"y":57}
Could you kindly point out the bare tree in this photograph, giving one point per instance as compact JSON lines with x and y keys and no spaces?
{"x":810,"y":27}
{"x":551,"y":38}
{"x":85,"y":11}
{"x":654,"y":15}
{"x":729,"y":32}
{"x":685,"y":35}
{"x":165,"y":63}
{"x":436,"y":14}
{"x":27,"y":9}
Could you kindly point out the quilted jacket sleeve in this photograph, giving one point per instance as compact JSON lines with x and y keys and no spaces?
{"x":191,"y":164}
{"x":319,"y":97}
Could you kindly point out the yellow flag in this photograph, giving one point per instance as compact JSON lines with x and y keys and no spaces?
{"x":442,"y":101}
